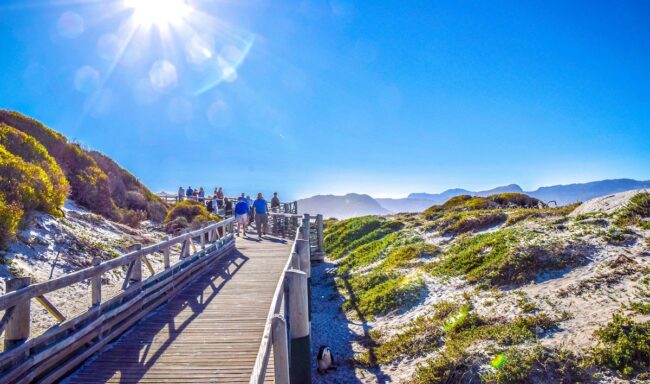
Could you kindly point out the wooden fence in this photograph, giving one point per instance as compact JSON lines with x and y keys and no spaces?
{"x":288,"y":329}
{"x":47,"y":357}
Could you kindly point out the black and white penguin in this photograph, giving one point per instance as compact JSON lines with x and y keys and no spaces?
{"x":325,"y":359}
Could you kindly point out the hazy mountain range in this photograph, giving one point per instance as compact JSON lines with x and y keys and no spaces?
{"x":353,"y":204}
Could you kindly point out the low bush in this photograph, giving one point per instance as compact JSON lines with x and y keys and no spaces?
{"x":132,"y":217}
{"x":507,"y":257}
{"x":340,"y":235}
{"x":624,"y":346}
{"x":26,"y":184}
{"x":536,"y":365}
{"x":404,"y":255}
{"x":135,"y":200}
{"x":635,"y":211}
{"x":10,"y":216}
{"x":368,"y":253}
{"x":191,"y":211}
{"x":457,"y":223}
{"x":156,"y":211}
{"x":387,"y":296}
{"x":32,"y":152}
{"x":176,"y":226}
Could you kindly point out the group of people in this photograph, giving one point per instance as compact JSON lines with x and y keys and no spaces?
{"x":246,"y":210}
{"x":198,"y":194}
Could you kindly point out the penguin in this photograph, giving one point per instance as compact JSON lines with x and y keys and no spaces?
{"x":325,"y":360}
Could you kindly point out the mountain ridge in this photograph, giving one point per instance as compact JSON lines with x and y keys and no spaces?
{"x":561,"y":194}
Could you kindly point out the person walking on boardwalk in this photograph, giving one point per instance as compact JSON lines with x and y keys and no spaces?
{"x":261,"y":215}
{"x":275,"y":202}
{"x":241,"y":215}
{"x":227,"y":207}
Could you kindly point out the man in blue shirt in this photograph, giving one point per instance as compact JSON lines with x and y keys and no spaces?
{"x":261,"y":215}
{"x":241,"y":215}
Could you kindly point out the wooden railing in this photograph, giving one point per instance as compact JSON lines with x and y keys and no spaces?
{"x":288,"y":330}
{"x":49,"y":356}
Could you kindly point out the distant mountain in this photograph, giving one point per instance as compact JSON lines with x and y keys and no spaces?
{"x":405,"y":205}
{"x":439,"y":198}
{"x":341,"y":207}
{"x":502,"y":189}
{"x":571,"y":193}
{"x":358,"y":205}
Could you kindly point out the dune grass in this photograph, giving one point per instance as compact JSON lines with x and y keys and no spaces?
{"x":504,"y":257}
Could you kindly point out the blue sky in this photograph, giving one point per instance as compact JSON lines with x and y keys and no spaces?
{"x":309,"y":97}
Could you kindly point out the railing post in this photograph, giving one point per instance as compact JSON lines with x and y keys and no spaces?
{"x":306,"y":227}
{"x":96,"y":285}
{"x":280,"y":349}
{"x":166,"y":254}
{"x":300,"y":364}
{"x":319,"y":255}
{"x":17,"y":330}
{"x":303,"y":249}
{"x":136,"y":273}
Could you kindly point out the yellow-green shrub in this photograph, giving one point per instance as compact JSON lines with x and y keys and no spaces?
{"x":10,"y":215}
{"x":191,"y":211}
{"x":26,"y":184}
{"x":31,"y":151}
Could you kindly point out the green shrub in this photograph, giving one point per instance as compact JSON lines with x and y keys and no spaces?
{"x":31,"y":151}
{"x":368,"y":253}
{"x":624,"y":346}
{"x":156,"y":211}
{"x":515,"y":200}
{"x":635,"y":211}
{"x":506,"y":257}
{"x":536,"y":365}
{"x":26,"y":184}
{"x":457,"y":223}
{"x":387,"y":296}
{"x":404,"y":255}
{"x":191,"y":211}
{"x":10,"y":215}
{"x":340,"y":235}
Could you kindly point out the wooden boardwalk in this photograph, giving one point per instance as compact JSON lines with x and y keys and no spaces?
{"x":209,"y":332}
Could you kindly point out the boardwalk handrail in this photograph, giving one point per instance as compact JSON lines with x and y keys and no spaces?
{"x":298,"y":262}
{"x":61,"y":348}
{"x":264,"y":352}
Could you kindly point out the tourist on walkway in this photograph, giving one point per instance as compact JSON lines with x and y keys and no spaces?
{"x":181,"y":193}
{"x":190,"y":192}
{"x":250,"y":210}
{"x":261,"y":215}
{"x":227,"y":207}
{"x":275,"y":202}
{"x":201,"y":194}
{"x":218,"y":193}
{"x":241,"y":215}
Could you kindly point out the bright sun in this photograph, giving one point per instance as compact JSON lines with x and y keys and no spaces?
{"x":158,"y":12}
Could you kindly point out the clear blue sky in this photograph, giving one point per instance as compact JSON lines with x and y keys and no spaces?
{"x":307,"y":97}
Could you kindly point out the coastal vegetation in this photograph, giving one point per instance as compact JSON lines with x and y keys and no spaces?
{"x":452,"y":294}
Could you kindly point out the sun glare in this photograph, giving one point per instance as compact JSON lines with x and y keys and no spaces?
{"x":158,"y":12}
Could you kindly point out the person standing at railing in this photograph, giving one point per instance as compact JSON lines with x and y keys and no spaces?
{"x":181,"y":194}
{"x":227,"y":207}
{"x":241,"y":215}
{"x":261,"y":215}
{"x":201,"y":194}
{"x":218,"y":196}
{"x":275,"y":203}
{"x":189,"y":193}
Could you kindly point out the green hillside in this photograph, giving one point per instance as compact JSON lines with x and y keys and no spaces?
{"x":39,"y":167}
